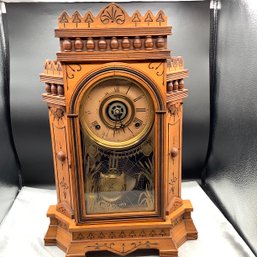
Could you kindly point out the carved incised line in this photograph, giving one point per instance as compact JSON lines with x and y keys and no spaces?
{"x":112,"y":235}
{"x":172,"y":183}
{"x":62,"y":225}
{"x":136,"y":19}
{"x":76,"y":18}
{"x":158,"y":67}
{"x":160,"y":18}
{"x":176,"y":204}
{"x":71,"y":69}
{"x":132,"y":234}
{"x":112,"y":14}
{"x":89,"y":19}
{"x":124,"y":249}
{"x":90,"y":236}
{"x":80,"y":236}
{"x":121,"y":234}
{"x":176,"y":222}
{"x":64,"y":187}
{"x":101,"y":235}
{"x":64,"y":18}
{"x":148,"y":19}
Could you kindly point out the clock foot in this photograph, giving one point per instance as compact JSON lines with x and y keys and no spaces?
{"x":50,"y":237}
{"x":72,"y":251}
{"x":168,"y":253}
{"x":192,"y":233}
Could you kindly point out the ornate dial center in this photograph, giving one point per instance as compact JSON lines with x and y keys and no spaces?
{"x":116,"y":112}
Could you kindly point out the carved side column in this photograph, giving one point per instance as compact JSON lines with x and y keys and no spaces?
{"x":175,"y":96}
{"x":58,"y":127}
{"x":54,"y":96}
{"x":175,"y":111}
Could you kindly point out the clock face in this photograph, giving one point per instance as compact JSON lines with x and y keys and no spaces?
{"x":116,"y":112}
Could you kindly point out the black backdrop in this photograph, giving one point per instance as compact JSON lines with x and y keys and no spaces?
{"x":231,"y":174}
{"x":9,"y":167}
{"x":31,"y":33}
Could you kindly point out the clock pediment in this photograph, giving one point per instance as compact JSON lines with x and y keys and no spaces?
{"x":111,"y":16}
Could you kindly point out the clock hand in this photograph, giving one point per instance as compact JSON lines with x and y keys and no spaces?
{"x":115,"y":125}
{"x":118,"y":119}
{"x":114,"y":130}
{"x":121,"y":124}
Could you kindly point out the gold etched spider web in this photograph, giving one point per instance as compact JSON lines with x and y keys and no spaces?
{"x":118,"y":181}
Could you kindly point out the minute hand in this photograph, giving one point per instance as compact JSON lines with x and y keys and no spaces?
{"x":115,"y":127}
{"x":121,"y":125}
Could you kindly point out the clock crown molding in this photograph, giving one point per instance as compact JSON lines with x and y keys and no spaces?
{"x":111,"y":16}
{"x":112,"y":34}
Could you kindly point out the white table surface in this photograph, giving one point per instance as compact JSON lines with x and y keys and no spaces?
{"x":23,"y":229}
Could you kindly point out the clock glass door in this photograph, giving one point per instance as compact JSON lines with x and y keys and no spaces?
{"x":117,"y":117}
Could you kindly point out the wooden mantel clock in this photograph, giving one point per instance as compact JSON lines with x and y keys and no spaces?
{"x":115,"y":100}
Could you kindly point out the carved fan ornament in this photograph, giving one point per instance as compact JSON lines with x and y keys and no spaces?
{"x":113,"y":14}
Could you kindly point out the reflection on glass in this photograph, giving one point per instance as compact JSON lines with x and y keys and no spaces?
{"x":116,"y":114}
{"x":118,"y":181}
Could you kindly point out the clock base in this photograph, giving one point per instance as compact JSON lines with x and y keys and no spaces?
{"x":122,"y":238}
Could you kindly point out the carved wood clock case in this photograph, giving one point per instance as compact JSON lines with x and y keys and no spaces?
{"x":115,"y":101}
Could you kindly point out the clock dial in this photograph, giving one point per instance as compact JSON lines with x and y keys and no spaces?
{"x":116,"y":112}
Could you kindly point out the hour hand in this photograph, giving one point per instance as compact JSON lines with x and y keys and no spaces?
{"x":122,"y":126}
{"x":115,"y":127}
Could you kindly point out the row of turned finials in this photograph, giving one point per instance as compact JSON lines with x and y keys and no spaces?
{"x":54,"y":89}
{"x":114,"y":43}
{"x":57,"y":89}
{"x":175,"y":85}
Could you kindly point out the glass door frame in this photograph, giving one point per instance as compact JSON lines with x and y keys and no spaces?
{"x":159,"y":142}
